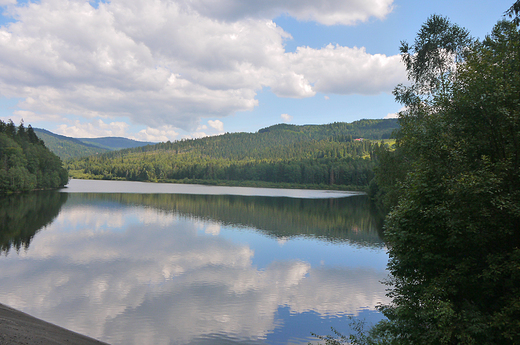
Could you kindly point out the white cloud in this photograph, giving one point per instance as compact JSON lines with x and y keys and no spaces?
{"x":328,"y":12}
{"x":93,"y":129}
{"x":391,"y":116}
{"x":202,"y":130}
{"x":394,"y":115}
{"x":217,"y":124}
{"x":196,"y":135}
{"x":291,"y":84}
{"x":286,"y":117}
{"x":161,"y":134}
{"x":343,"y":70}
{"x":172,"y":63}
{"x":7,"y":2}
{"x":30,"y":117}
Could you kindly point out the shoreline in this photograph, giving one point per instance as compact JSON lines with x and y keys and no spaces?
{"x":233,"y":183}
{"x":17,"y":327}
{"x":117,"y":186}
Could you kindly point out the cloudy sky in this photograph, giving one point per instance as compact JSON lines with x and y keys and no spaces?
{"x":160,"y":70}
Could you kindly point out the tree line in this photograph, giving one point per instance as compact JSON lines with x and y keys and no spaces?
{"x":25,"y":163}
{"x":453,"y":188}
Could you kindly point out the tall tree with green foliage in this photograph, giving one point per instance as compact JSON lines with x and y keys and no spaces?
{"x":431,"y":63}
{"x":454,"y":235}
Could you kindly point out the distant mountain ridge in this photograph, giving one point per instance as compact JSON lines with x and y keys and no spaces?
{"x":68,"y":147}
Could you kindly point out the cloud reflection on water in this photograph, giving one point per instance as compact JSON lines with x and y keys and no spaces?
{"x":129,"y":274}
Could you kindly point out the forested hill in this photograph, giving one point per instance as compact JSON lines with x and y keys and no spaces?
{"x":369,"y":129}
{"x":114,"y":143}
{"x":276,"y":142}
{"x":338,"y":154}
{"x":25,"y":162}
{"x":67,"y":147}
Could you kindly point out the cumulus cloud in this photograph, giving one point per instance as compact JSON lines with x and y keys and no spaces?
{"x":286,"y":117}
{"x":160,"y":134}
{"x":172,"y":63}
{"x":343,"y":70}
{"x":216,"y":127}
{"x":196,"y":135}
{"x":217,"y":124}
{"x":328,"y":12}
{"x":93,"y":129}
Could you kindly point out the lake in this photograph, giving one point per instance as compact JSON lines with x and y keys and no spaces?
{"x":143,"y":263}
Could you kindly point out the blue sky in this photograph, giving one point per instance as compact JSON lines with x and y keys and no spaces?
{"x":167,"y":70}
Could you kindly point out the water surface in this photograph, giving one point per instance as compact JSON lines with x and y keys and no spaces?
{"x":138,"y":268}
{"x":100,"y":186}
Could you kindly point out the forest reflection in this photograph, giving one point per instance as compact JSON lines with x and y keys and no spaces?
{"x":23,"y":215}
{"x":348,"y":219}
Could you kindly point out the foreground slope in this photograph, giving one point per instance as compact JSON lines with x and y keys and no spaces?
{"x":17,"y":327}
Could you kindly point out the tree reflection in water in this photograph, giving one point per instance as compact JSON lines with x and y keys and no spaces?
{"x":23,"y":215}
{"x":349,"y":219}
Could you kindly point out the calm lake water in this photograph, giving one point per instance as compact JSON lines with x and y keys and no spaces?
{"x":141,"y":263}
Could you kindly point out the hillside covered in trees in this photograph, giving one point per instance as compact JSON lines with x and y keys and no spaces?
{"x":334,"y":155}
{"x":25,"y":163}
{"x":67,"y":147}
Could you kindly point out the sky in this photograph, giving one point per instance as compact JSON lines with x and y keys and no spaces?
{"x":159,"y":70}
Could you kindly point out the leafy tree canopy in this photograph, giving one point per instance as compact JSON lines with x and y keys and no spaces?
{"x":454,"y":233}
{"x":430,"y":62}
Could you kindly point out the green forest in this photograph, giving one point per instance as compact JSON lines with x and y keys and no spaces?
{"x":25,"y":163}
{"x":338,"y":155}
{"x":452,"y":185}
